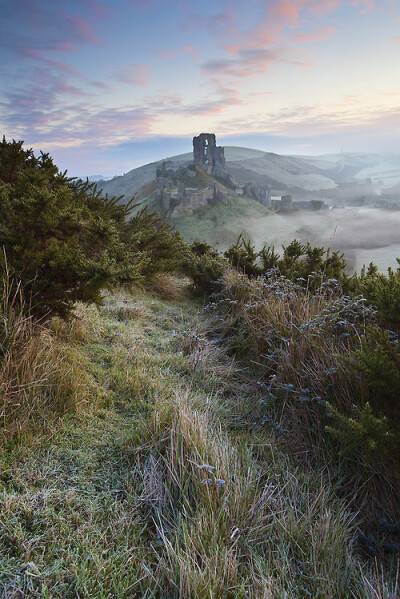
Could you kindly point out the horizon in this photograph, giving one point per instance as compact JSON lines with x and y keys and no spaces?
{"x":105,"y":87}
{"x":305,"y":155}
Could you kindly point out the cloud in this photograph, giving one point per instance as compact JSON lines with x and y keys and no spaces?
{"x":78,"y":124}
{"x":30,"y":53}
{"x":283,"y":13}
{"x":167,"y":102}
{"x":169,"y":54}
{"x":319,"y":7}
{"x":134,"y":74}
{"x":220,"y":23}
{"x":164,"y":100}
{"x":272,"y":40}
{"x":365,"y":5}
{"x":48,"y":94}
{"x":98,"y":9}
{"x":247,"y":63}
{"x":317,"y":35}
{"x":41,"y":26}
{"x":346,"y":118}
{"x":100,"y":85}
{"x":227,"y":97}
{"x":190,"y":50}
{"x":82,"y":29}
{"x":166,"y":54}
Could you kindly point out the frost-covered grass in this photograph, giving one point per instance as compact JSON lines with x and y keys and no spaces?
{"x":162,"y":485}
{"x":329,"y":374}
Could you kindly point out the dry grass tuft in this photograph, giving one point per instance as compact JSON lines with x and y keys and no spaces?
{"x":300,"y":342}
{"x":165,"y":286}
{"x":39,"y":376}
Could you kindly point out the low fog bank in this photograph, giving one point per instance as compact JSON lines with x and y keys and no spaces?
{"x":364,"y":235}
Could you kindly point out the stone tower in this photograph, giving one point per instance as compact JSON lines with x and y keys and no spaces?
{"x":207,"y":154}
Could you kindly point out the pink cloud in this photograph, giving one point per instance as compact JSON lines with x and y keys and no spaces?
{"x":134,"y":74}
{"x":82,"y":29}
{"x":317,"y":35}
{"x":256,"y":50}
{"x":190,"y":50}
{"x":29,"y":52}
{"x":247,"y":63}
{"x":365,"y":5}
{"x":223,"y":19}
{"x":164,"y":101}
{"x":169,"y":54}
{"x":220,"y":23}
{"x":166,"y":54}
{"x":100,"y":85}
{"x":79,"y":124}
{"x":230,"y":97}
{"x":319,"y":7}
{"x":140,"y":2}
{"x":99,"y":9}
{"x":284,"y":12}
{"x":61,"y":66}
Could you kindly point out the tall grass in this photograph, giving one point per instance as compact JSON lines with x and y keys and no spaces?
{"x":39,"y":376}
{"x":234,"y":519}
{"x":303,"y":346}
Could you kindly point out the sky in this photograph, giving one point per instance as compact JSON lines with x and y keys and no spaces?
{"x":106,"y":86}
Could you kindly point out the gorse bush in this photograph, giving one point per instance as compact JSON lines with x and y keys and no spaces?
{"x":205,"y":266}
{"x":378,"y":359}
{"x":382,"y":291}
{"x":303,"y":263}
{"x":363,"y":434}
{"x":65,"y":242}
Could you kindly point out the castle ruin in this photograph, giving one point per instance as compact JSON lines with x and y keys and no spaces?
{"x":176,"y":199}
{"x":207,"y":154}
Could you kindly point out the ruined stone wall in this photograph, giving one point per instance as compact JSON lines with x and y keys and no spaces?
{"x":286,"y":202}
{"x":207,"y":154}
{"x":260,"y":193}
{"x":192,"y":200}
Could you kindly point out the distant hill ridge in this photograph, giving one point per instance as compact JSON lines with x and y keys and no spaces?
{"x":304,"y":176}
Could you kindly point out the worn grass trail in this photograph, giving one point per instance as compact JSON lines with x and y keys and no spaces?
{"x":161,"y":484}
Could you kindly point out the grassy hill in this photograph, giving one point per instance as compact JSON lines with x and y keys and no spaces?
{"x":305,"y":176}
{"x":245,"y":164}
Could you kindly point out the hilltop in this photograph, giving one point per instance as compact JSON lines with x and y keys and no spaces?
{"x":300,"y":175}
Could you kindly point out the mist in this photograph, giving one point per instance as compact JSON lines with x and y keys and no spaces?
{"x":364,"y":235}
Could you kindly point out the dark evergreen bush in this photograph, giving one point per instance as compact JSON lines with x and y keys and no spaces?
{"x":66,"y":242}
{"x":205,"y":266}
{"x":383,"y":291}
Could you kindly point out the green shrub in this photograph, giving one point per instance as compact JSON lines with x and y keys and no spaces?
{"x":363,"y":435}
{"x":205,"y":266}
{"x":65,"y":242}
{"x":300,"y":262}
{"x":243,"y":257}
{"x":379,"y":361}
{"x":383,"y":291}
